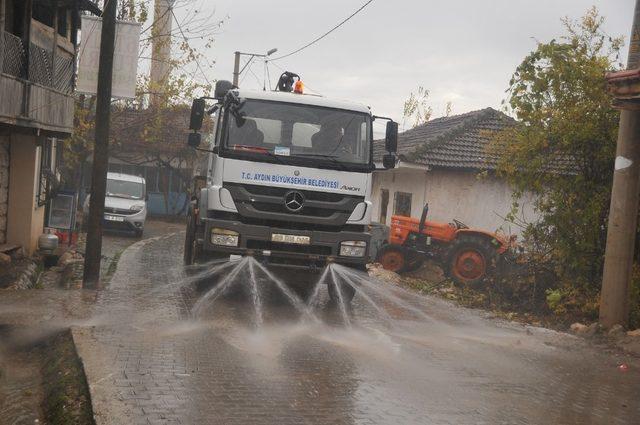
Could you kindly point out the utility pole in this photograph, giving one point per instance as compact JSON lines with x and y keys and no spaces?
{"x":160,"y":49}
{"x":93,"y":252}
{"x":236,"y":64}
{"x":621,"y":233}
{"x":236,"y":69}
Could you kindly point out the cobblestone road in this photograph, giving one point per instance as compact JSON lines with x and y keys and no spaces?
{"x":420,"y":361}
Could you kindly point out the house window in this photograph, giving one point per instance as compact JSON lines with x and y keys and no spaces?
{"x":402,"y":204}
{"x":384,"y":205}
{"x":46,"y":178}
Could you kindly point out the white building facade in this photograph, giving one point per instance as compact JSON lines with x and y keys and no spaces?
{"x":445,"y":163}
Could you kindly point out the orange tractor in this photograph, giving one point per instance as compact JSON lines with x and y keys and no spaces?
{"x":466,"y":255}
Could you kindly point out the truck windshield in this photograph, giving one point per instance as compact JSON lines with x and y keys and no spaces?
{"x":300,"y":131}
{"x":125,"y":189}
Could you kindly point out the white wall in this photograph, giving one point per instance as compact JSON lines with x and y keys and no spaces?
{"x":478,"y":202}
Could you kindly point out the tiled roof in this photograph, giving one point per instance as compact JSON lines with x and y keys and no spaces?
{"x":458,"y":141}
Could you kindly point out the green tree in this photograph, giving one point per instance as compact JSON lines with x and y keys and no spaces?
{"x":416,"y":108}
{"x":562,"y":148}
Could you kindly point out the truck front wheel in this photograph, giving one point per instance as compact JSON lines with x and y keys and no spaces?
{"x":191,"y":248}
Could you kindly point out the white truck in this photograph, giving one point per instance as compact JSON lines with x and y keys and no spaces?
{"x":288,"y":179}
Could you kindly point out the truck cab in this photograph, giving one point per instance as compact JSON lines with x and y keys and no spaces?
{"x":288,"y":180}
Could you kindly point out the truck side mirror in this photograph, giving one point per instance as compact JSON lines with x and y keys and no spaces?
{"x":391,"y":139}
{"x":197,"y":114}
{"x":194,"y":140}
{"x":389,"y":161}
{"x":222,"y":88}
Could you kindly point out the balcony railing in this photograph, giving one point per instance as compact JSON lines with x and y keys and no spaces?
{"x":56,"y":72}
{"x":36,"y":86}
{"x":13,"y":55}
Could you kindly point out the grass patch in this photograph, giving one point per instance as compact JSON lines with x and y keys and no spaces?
{"x":66,"y":393}
{"x":113,"y":265}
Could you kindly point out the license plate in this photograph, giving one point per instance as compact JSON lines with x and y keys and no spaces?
{"x":113,"y":218}
{"x":295,"y":239}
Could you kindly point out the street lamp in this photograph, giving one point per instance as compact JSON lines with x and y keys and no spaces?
{"x":236,"y":67}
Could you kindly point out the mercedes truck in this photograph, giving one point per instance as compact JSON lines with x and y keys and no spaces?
{"x":288,"y":178}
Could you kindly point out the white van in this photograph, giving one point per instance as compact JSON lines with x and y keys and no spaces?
{"x":125,"y":206}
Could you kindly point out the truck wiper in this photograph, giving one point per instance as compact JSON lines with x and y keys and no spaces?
{"x":273,"y":155}
{"x":333,"y":158}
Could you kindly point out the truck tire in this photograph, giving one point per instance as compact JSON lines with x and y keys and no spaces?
{"x":394,"y":258}
{"x":190,"y":242}
{"x":470,"y":260}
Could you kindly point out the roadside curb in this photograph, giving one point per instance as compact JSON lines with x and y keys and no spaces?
{"x":106,"y":406}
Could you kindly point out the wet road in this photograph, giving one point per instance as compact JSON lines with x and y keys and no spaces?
{"x":405,"y":359}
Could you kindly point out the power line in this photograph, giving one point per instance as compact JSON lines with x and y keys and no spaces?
{"x":255,"y":75}
{"x":195,"y":57}
{"x":247,"y":63}
{"x":325,"y":34}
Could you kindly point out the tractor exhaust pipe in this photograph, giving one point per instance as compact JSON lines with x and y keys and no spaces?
{"x":423,"y":218}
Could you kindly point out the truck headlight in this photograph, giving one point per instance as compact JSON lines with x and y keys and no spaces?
{"x":353,"y":249}
{"x":224,"y":237}
{"x":136,"y":208}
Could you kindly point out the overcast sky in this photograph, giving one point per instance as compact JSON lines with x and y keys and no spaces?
{"x":463,"y":51}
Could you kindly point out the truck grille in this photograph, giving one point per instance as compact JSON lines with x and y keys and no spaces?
{"x":268,"y":203}
{"x":118,"y":211}
{"x":283,"y":247}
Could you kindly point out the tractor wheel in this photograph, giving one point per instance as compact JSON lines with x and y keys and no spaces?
{"x":470,"y":260}
{"x":414,"y":264}
{"x":394,"y":258}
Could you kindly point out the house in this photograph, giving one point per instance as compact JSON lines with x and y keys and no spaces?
{"x":441,"y":162}
{"x":38,"y":40}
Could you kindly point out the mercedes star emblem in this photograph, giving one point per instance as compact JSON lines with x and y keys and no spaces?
{"x":294,"y":201}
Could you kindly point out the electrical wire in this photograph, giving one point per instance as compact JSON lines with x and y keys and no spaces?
{"x":247,"y":65}
{"x":255,"y":76}
{"x":344,"y":21}
{"x":195,"y":57}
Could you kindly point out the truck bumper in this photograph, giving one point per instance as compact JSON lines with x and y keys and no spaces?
{"x":256,"y":240}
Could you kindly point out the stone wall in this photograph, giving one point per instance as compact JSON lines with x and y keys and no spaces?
{"x":4,"y":186}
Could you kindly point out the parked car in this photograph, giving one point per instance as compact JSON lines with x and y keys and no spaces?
{"x":125,"y":204}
